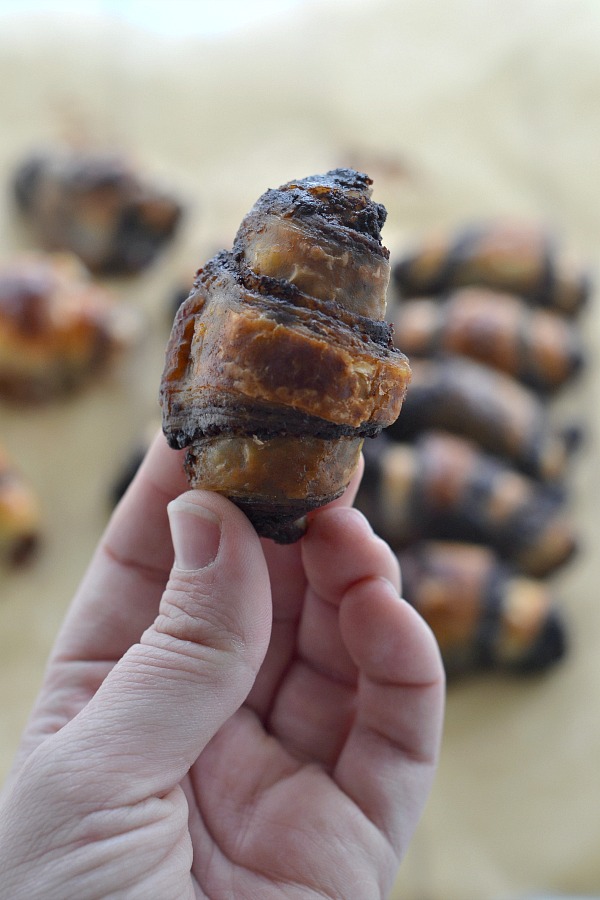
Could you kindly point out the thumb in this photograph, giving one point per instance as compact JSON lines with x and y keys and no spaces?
{"x":195,"y":665}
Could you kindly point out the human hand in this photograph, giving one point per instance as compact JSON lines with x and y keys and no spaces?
{"x":257,"y":721}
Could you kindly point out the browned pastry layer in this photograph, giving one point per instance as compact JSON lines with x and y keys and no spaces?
{"x":279,"y":362}
{"x":279,"y":355}
{"x":444,"y":487}
{"x":539,"y":348}
{"x":96,"y":206}
{"x":474,"y":401}
{"x":19,"y":514}
{"x":56,"y":327}
{"x":483,"y":615}
{"x":506,"y":256}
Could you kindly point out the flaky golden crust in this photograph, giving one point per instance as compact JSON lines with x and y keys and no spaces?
{"x":278,"y":358}
{"x":276,"y":369}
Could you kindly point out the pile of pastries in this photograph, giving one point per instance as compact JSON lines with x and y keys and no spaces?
{"x":470,"y":484}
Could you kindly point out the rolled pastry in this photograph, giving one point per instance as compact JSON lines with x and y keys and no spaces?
{"x":444,"y":486}
{"x":57,"y":328}
{"x":476,"y":402}
{"x":520,"y":258}
{"x":279,"y":362}
{"x":537,"y":347}
{"x":97,"y":206}
{"x":483,"y":614}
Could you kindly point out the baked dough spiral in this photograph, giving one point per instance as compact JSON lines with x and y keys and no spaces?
{"x":279,"y":363}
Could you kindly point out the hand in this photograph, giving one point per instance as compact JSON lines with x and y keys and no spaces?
{"x":253,"y":721}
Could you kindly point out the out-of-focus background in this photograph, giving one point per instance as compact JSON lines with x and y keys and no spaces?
{"x":459,"y":111}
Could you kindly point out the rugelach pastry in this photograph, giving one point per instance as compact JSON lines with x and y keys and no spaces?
{"x":474,"y":401}
{"x":280,"y":362}
{"x":57,"y":328}
{"x":519,"y":258}
{"x":537,"y":347}
{"x":483,"y":614}
{"x":445,"y":487}
{"x":97,"y":206}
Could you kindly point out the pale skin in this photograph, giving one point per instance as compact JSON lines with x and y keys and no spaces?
{"x":265,"y":725}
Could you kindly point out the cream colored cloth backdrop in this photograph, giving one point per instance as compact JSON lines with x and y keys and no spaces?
{"x":458,"y":110}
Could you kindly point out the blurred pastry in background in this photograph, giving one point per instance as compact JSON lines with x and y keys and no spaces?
{"x":539,"y":348}
{"x":518,"y":258}
{"x":483,"y":614}
{"x":97,"y":206}
{"x":20,"y":519}
{"x":504,"y":417}
{"x":444,"y":487}
{"x":57,"y":328}
{"x":470,"y":485}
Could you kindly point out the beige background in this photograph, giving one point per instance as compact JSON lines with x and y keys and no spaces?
{"x":458,"y":109}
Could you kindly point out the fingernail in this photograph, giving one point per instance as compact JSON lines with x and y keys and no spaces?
{"x":196,"y":534}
